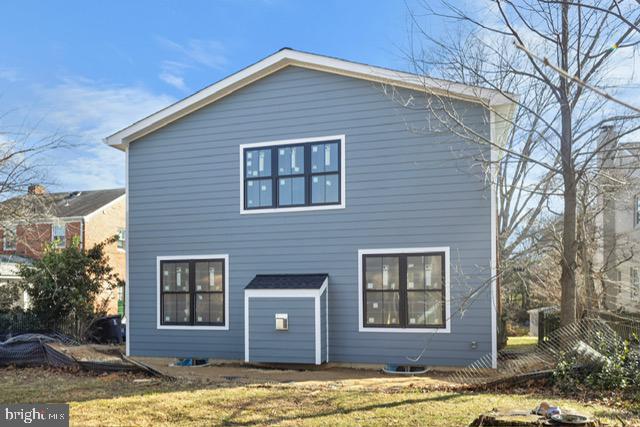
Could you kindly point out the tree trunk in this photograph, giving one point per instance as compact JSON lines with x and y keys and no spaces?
{"x":568,"y":262}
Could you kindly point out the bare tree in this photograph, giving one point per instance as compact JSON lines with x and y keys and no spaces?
{"x":561,"y":53}
{"x":25,"y":154}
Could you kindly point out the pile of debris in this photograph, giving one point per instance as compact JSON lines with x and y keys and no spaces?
{"x":544,"y":414}
{"x":57,"y":350}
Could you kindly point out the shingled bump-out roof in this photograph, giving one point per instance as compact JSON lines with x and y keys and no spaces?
{"x":288,"y":281}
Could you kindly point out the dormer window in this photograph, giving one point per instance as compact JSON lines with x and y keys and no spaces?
{"x":293,"y":175}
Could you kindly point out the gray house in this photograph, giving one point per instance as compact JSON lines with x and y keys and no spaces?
{"x":308,"y":209}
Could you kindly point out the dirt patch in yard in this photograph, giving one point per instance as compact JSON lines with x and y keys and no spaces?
{"x":325,"y":377}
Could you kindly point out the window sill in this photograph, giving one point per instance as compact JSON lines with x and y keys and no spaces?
{"x":446,"y":330}
{"x":194,"y":327}
{"x":294,"y":209}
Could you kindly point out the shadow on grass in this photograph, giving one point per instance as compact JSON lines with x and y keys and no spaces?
{"x":228,"y":421}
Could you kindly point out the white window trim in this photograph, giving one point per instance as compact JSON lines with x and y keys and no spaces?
{"x":53,"y":236}
{"x":4,"y":238}
{"x":124,"y":249}
{"x":407,"y":251}
{"x":343,"y":174}
{"x":291,"y":293}
{"x":159,"y":324}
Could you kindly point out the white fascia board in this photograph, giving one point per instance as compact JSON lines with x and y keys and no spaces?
{"x":287,"y":57}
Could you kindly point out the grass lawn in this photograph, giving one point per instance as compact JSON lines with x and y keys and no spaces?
{"x":122,"y":400}
{"x":521,"y":342}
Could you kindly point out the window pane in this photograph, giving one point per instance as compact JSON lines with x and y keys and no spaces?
{"x":415,"y":272}
{"x":433,"y":271}
{"x":217,"y":308}
{"x":258,"y":163}
{"x":374,"y":314}
{"x":291,"y":191}
{"x":433,"y":307}
{"x":218,"y":284}
{"x":202,"y":308}
{"x":169,"y":308}
{"x":290,"y":160}
{"x":373,"y":272}
{"x":182,"y":277}
{"x":168,"y":277}
{"x":176,"y":308}
{"x":324,"y":157}
{"x":391,"y":308}
{"x":415,"y":309}
{"x":183,"y":312}
{"x":324,"y":189}
{"x":259,"y":193}
{"x":390,"y":273}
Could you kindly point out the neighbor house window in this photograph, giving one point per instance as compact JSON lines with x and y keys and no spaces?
{"x":121,"y":238}
{"x":293,"y":174}
{"x":635,"y":283}
{"x":9,"y":238}
{"x":58,"y":235}
{"x":192,"y":292}
{"x":404,"y":290}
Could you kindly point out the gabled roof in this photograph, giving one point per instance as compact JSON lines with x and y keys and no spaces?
{"x":66,"y":204}
{"x":288,"y":281}
{"x":289,"y":57}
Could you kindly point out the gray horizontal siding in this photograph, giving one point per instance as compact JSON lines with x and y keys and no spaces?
{"x":404,"y":189}
{"x":297,"y":345}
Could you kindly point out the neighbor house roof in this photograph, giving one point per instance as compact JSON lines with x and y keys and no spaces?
{"x":66,"y":204}
{"x":289,"y":57}
{"x":287,"y":281}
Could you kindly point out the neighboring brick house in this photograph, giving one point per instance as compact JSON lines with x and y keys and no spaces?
{"x":92,"y":216}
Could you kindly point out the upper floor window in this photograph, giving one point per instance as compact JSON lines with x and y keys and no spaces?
{"x":404,"y":290}
{"x":636,"y":210}
{"x":122,"y":238}
{"x":293,"y":175}
{"x":58,"y":234}
{"x":9,"y":238}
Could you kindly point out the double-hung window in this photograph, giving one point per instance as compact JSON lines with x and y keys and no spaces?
{"x":9,"y":238}
{"x":192,"y":292}
{"x":404,"y":290}
{"x":634,"y":279}
{"x":122,"y":237}
{"x":293,"y":174}
{"x":58,"y":235}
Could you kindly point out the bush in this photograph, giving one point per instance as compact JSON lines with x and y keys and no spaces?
{"x":617,"y":370}
{"x":10,"y":294}
{"x":67,"y":282}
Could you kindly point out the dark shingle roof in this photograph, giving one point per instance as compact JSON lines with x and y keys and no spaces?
{"x":67,"y":204}
{"x":287,"y":281}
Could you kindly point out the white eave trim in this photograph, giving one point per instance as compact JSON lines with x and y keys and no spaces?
{"x":287,"y":57}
